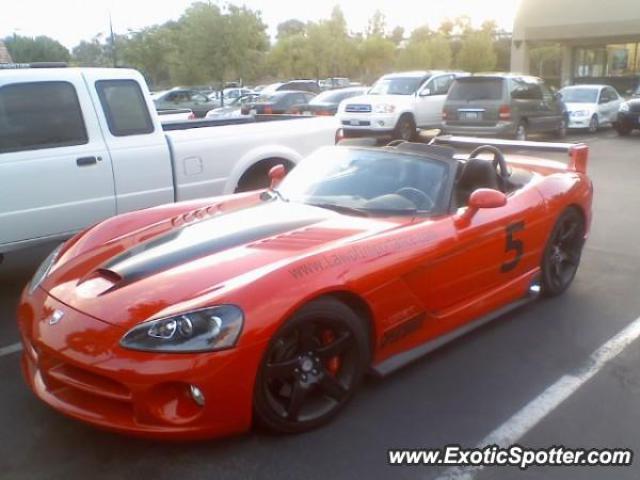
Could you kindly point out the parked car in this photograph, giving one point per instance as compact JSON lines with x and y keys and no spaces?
{"x":233,"y":108}
{"x":327,"y":102}
{"x":334,"y":83}
{"x":629,"y":115}
{"x":81,"y":145}
{"x":180,"y":114}
{"x":276,"y":103}
{"x":270,"y":308}
{"x":591,"y":106}
{"x":503,"y":105}
{"x":233,"y":93}
{"x":397,"y":104}
{"x":197,"y":102}
{"x":300,"y":85}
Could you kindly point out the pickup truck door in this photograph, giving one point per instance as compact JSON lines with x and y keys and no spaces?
{"x":55,"y":171}
{"x":142,"y":164}
{"x":430,"y":100}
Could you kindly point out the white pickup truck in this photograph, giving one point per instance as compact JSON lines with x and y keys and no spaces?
{"x":78,"y":145}
{"x":397,"y":104}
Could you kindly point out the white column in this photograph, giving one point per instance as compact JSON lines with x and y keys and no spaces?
{"x":520,"y":56}
{"x":566,"y":74}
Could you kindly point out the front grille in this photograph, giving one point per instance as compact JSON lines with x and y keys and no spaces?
{"x":358,"y":108}
{"x":356,"y":123}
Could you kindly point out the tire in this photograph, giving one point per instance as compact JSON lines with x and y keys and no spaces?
{"x":312,"y":367}
{"x":561,"y":132}
{"x":257,"y":176}
{"x":594,"y":125}
{"x":521,"y":132}
{"x":622,"y":130}
{"x":405,"y":128}
{"x":561,"y":256}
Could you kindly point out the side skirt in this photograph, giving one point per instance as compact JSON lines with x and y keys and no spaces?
{"x":400,"y":360}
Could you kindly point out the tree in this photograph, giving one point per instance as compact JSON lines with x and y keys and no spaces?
{"x":91,"y":53}
{"x":38,"y":49}
{"x":397,"y":35}
{"x":377,"y":25}
{"x":290,"y":27}
{"x":376,"y":55}
{"x":424,"y":50}
{"x":151,"y":51}
{"x":476,"y":52}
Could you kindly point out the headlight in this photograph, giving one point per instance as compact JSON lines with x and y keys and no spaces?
{"x":207,"y":330}
{"x":44,"y":269}
{"x":624,"y":107}
{"x":580,"y":113}
{"x":384,"y":108}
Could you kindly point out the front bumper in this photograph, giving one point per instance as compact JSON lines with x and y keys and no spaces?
{"x":377,"y":123}
{"x":630,"y":120}
{"x":501,"y":129}
{"x":579,"y":122}
{"x":78,"y":368}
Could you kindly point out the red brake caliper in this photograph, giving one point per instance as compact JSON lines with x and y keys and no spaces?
{"x":332,"y":364}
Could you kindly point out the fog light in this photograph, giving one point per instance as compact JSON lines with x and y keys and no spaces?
{"x":381,"y":123}
{"x":197,"y":395}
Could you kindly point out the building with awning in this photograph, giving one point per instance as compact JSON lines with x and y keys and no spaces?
{"x":599,"y":40}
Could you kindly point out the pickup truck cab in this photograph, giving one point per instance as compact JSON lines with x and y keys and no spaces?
{"x":397,"y":104}
{"x":78,"y":145}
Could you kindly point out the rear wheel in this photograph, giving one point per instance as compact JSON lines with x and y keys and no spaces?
{"x":312,"y":367}
{"x":622,"y":130}
{"x":562,"y":128}
{"x":405,"y":128}
{"x":594,"y":125}
{"x":562,"y":254}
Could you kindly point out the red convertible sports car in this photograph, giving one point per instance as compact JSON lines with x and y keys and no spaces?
{"x":197,"y":319}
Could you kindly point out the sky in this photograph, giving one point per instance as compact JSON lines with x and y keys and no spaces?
{"x":70,"y":21}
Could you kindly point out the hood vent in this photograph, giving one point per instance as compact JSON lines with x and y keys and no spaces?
{"x":302,"y":239}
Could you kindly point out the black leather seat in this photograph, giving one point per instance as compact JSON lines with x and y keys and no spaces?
{"x":476,"y":174}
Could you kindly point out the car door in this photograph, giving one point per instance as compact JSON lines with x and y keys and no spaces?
{"x":430,"y":100}
{"x":551,"y":110}
{"x":609,"y":106}
{"x":55,"y":171}
{"x":492,"y":249}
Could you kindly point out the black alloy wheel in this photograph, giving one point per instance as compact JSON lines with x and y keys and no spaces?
{"x":562,"y":253}
{"x":312,"y":367}
{"x":405,"y":129}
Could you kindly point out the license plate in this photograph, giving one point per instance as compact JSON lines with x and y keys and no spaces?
{"x":307,"y":113}
{"x":252,"y":111}
{"x":355,"y":122}
{"x":471,"y":115}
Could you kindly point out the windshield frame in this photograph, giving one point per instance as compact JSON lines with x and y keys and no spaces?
{"x":442,"y":204}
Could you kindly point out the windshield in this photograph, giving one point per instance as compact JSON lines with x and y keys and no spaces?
{"x":580,"y":95}
{"x":476,"y":89}
{"x":396,"y":86}
{"x":273,"y":98}
{"x":367,"y":181}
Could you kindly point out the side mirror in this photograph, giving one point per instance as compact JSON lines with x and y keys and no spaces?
{"x":276,"y":174}
{"x":481,"y":198}
{"x":426,"y":92}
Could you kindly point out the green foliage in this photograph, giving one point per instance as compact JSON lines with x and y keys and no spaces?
{"x":476,"y":52}
{"x":291,"y":27}
{"x":38,"y":49}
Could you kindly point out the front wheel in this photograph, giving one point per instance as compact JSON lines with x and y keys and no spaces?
{"x":312,"y":367}
{"x":561,"y":132}
{"x":594,"y":125}
{"x":521,"y":132}
{"x":622,"y":130}
{"x":405,"y":129}
{"x":562,"y":254}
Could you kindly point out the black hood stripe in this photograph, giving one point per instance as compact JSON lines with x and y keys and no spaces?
{"x":199,"y":240}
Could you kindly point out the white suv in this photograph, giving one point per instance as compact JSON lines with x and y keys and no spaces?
{"x":397,"y":104}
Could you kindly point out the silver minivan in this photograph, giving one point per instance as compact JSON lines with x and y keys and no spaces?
{"x":503,"y":105}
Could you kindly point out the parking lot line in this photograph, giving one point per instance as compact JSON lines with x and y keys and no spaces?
{"x":16,"y":347}
{"x":537,"y":409}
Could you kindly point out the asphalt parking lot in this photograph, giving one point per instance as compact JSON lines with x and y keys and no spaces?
{"x":459,"y":394}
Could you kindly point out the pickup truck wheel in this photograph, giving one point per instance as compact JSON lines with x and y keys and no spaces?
{"x":405,"y":129}
{"x":257,"y":177}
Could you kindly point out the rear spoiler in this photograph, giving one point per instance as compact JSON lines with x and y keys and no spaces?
{"x":578,"y":152}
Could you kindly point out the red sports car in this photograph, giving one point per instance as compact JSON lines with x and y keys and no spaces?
{"x":196,"y":319}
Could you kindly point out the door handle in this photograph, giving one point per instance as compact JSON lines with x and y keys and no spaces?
{"x":86,"y":161}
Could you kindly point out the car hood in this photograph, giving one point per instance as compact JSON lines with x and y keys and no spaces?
{"x":574,"y":107}
{"x":141,"y":275}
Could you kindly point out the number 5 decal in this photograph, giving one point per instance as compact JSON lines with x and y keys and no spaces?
{"x":513,"y":244}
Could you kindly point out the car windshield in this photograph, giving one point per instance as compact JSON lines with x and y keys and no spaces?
{"x":396,"y":86}
{"x":470,"y":89}
{"x":273,"y":98}
{"x":580,"y":95}
{"x":363,"y":181}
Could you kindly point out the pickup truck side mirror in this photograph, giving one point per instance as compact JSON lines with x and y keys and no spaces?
{"x":276,"y":174}
{"x":425,"y":92}
{"x":481,"y":198}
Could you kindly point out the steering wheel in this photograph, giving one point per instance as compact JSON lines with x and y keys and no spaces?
{"x":499,"y":163}
{"x":421,"y":200}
